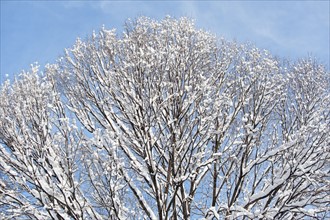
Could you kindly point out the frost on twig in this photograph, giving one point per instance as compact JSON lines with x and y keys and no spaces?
{"x":165,"y":122}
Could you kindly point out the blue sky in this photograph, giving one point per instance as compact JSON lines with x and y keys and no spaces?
{"x":40,"y":30}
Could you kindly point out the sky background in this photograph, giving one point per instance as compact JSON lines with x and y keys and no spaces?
{"x":40,"y":30}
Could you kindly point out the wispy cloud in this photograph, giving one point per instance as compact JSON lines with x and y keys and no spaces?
{"x":287,"y":28}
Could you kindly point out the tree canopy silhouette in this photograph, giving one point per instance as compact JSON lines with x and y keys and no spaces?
{"x":166,"y":121}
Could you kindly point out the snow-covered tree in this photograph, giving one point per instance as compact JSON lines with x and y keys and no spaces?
{"x":165,"y":121}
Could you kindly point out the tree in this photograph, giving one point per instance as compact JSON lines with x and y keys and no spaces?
{"x":166,"y":122}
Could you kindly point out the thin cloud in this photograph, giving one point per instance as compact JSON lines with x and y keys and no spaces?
{"x":289,"y":29}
